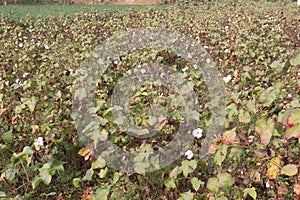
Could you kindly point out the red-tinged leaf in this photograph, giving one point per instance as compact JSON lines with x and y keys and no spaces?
{"x":293,"y":132}
{"x":49,"y":139}
{"x":2,"y":111}
{"x":14,"y":119}
{"x":297,"y":189}
{"x":265,"y":130}
{"x":229,"y":136}
{"x":293,"y":119}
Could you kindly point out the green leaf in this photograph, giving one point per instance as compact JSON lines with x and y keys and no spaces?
{"x":116,"y":178}
{"x":213,"y":184}
{"x":196,"y":183}
{"x":251,"y":192}
{"x":296,"y":61}
{"x":170,"y":182}
{"x":278,"y":66}
{"x":103,"y":172}
{"x":188,"y":166}
{"x":225,"y":180}
{"x":35,"y":182}
{"x":232,"y":111}
{"x":293,"y":132}
{"x":45,"y":175}
{"x":88,"y":175}
{"x":289,"y":170}
{"x":220,"y":154}
{"x":236,"y":153}
{"x":101,"y":194}
{"x":25,"y":154}
{"x":2,"y":194}
{"x":2,"y":147}
{"x":268,"y":96}
{"x":186,"y":196}
{"x":7,"y":137}
{"x":244,"y":117}
{"x":265,"y":130}
{"x":56,"y":164}
{"x":99,"y":163}
{"x":30,"y":103}
{"x":76,"y":182}
{"x":10,"y":174}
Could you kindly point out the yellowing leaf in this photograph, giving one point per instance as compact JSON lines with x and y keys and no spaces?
{"x":86,"y":152}
{"x":86,"y":197}
{"x":289,"y":170}
{"x":275,"y":162}
{"x":274,"y":168}
{"x":272,"y":173}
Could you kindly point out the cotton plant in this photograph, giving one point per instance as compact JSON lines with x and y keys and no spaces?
{"x":197,"y":133}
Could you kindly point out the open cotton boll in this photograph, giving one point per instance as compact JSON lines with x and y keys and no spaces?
{"x":189,"y":154}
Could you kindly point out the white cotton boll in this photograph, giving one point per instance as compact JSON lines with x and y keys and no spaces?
{"x":251,"y":138}
{"x":189,"y":154}
{"x":197,"y":133}
{"x":21,"y":45}
{"x":185,"y":69}
{"x":25,"y":74}
{"x":268,"y":184}
{"x":39,"y":142}
{"x":46,"y":46}
{"x":227,"y":78}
